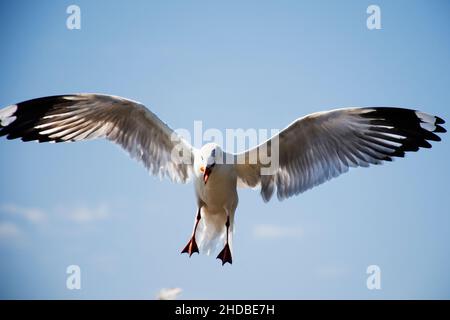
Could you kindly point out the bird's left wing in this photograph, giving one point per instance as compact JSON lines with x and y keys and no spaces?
{"x":323,"y":145}
{"x":78,"y":117}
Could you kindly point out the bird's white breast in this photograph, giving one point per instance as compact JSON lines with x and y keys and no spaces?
{"x":220,"y":190}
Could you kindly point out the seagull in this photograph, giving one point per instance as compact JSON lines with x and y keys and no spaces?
{"x":310,"y":151}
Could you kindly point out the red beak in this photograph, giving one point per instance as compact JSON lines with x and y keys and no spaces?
{"x":206,"y":174}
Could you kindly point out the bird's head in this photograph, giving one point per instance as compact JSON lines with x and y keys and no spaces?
{"x":210,"y":155}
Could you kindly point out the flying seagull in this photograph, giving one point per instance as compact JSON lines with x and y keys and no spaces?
{"x":311,"y":150}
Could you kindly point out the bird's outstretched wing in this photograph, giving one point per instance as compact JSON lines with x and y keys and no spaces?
{"x":76,"y":117}
{"x":323,"y":145}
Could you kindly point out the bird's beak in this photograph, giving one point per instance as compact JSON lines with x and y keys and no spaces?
{"x":206,"y":172}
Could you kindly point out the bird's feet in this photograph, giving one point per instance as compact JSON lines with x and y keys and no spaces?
{"x":191,"y":247}
{"x":225,"y":255}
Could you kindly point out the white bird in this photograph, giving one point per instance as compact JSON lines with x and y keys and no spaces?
{"x":312,"y":150}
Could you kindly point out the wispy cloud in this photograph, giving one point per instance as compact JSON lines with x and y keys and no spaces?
{"x":9,"y":231}
{"x":86,"y":215}
{"x":36,"y":216}
{"x":274,"y":231}
{"x":18,"y":224}
{"x":168,"y":294}
{"x":14,"y":218}
{"x":31,"y":215}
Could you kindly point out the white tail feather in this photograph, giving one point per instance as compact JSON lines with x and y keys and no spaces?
{"x":211,"y":232}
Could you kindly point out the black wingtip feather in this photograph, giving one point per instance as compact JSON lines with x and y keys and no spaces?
{"x":440,"y":129}
{"x":29,"y":114}
{"x":406,"y":123}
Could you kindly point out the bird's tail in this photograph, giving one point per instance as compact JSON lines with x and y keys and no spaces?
{"x":211,"y":232}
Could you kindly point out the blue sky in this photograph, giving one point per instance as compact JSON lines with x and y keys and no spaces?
{"x":231,"y":64}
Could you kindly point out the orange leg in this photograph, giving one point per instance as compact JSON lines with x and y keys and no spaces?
{"x":192,"y":247}
{"x":225,"y":254}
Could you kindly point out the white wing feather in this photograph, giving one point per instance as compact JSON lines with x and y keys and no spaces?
{"x":323,"y":145}
{"x":88,"y":116}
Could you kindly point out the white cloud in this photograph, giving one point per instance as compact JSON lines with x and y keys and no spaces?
{"x":9,"y":231}
{"x":37,"y":216}
{"x":273,"y":231}
{"x":168,"y":294}
{"x":85,"y":215}
{"x":32,"y":215}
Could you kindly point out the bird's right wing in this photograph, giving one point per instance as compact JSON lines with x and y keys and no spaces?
{"x":323,"y":145}
{"x":78,"y":117}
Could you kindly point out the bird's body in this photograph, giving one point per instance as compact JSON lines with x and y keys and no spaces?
{"x":220,"y":191}
{"x":310,"y":151}
{"x":218,"y":199}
